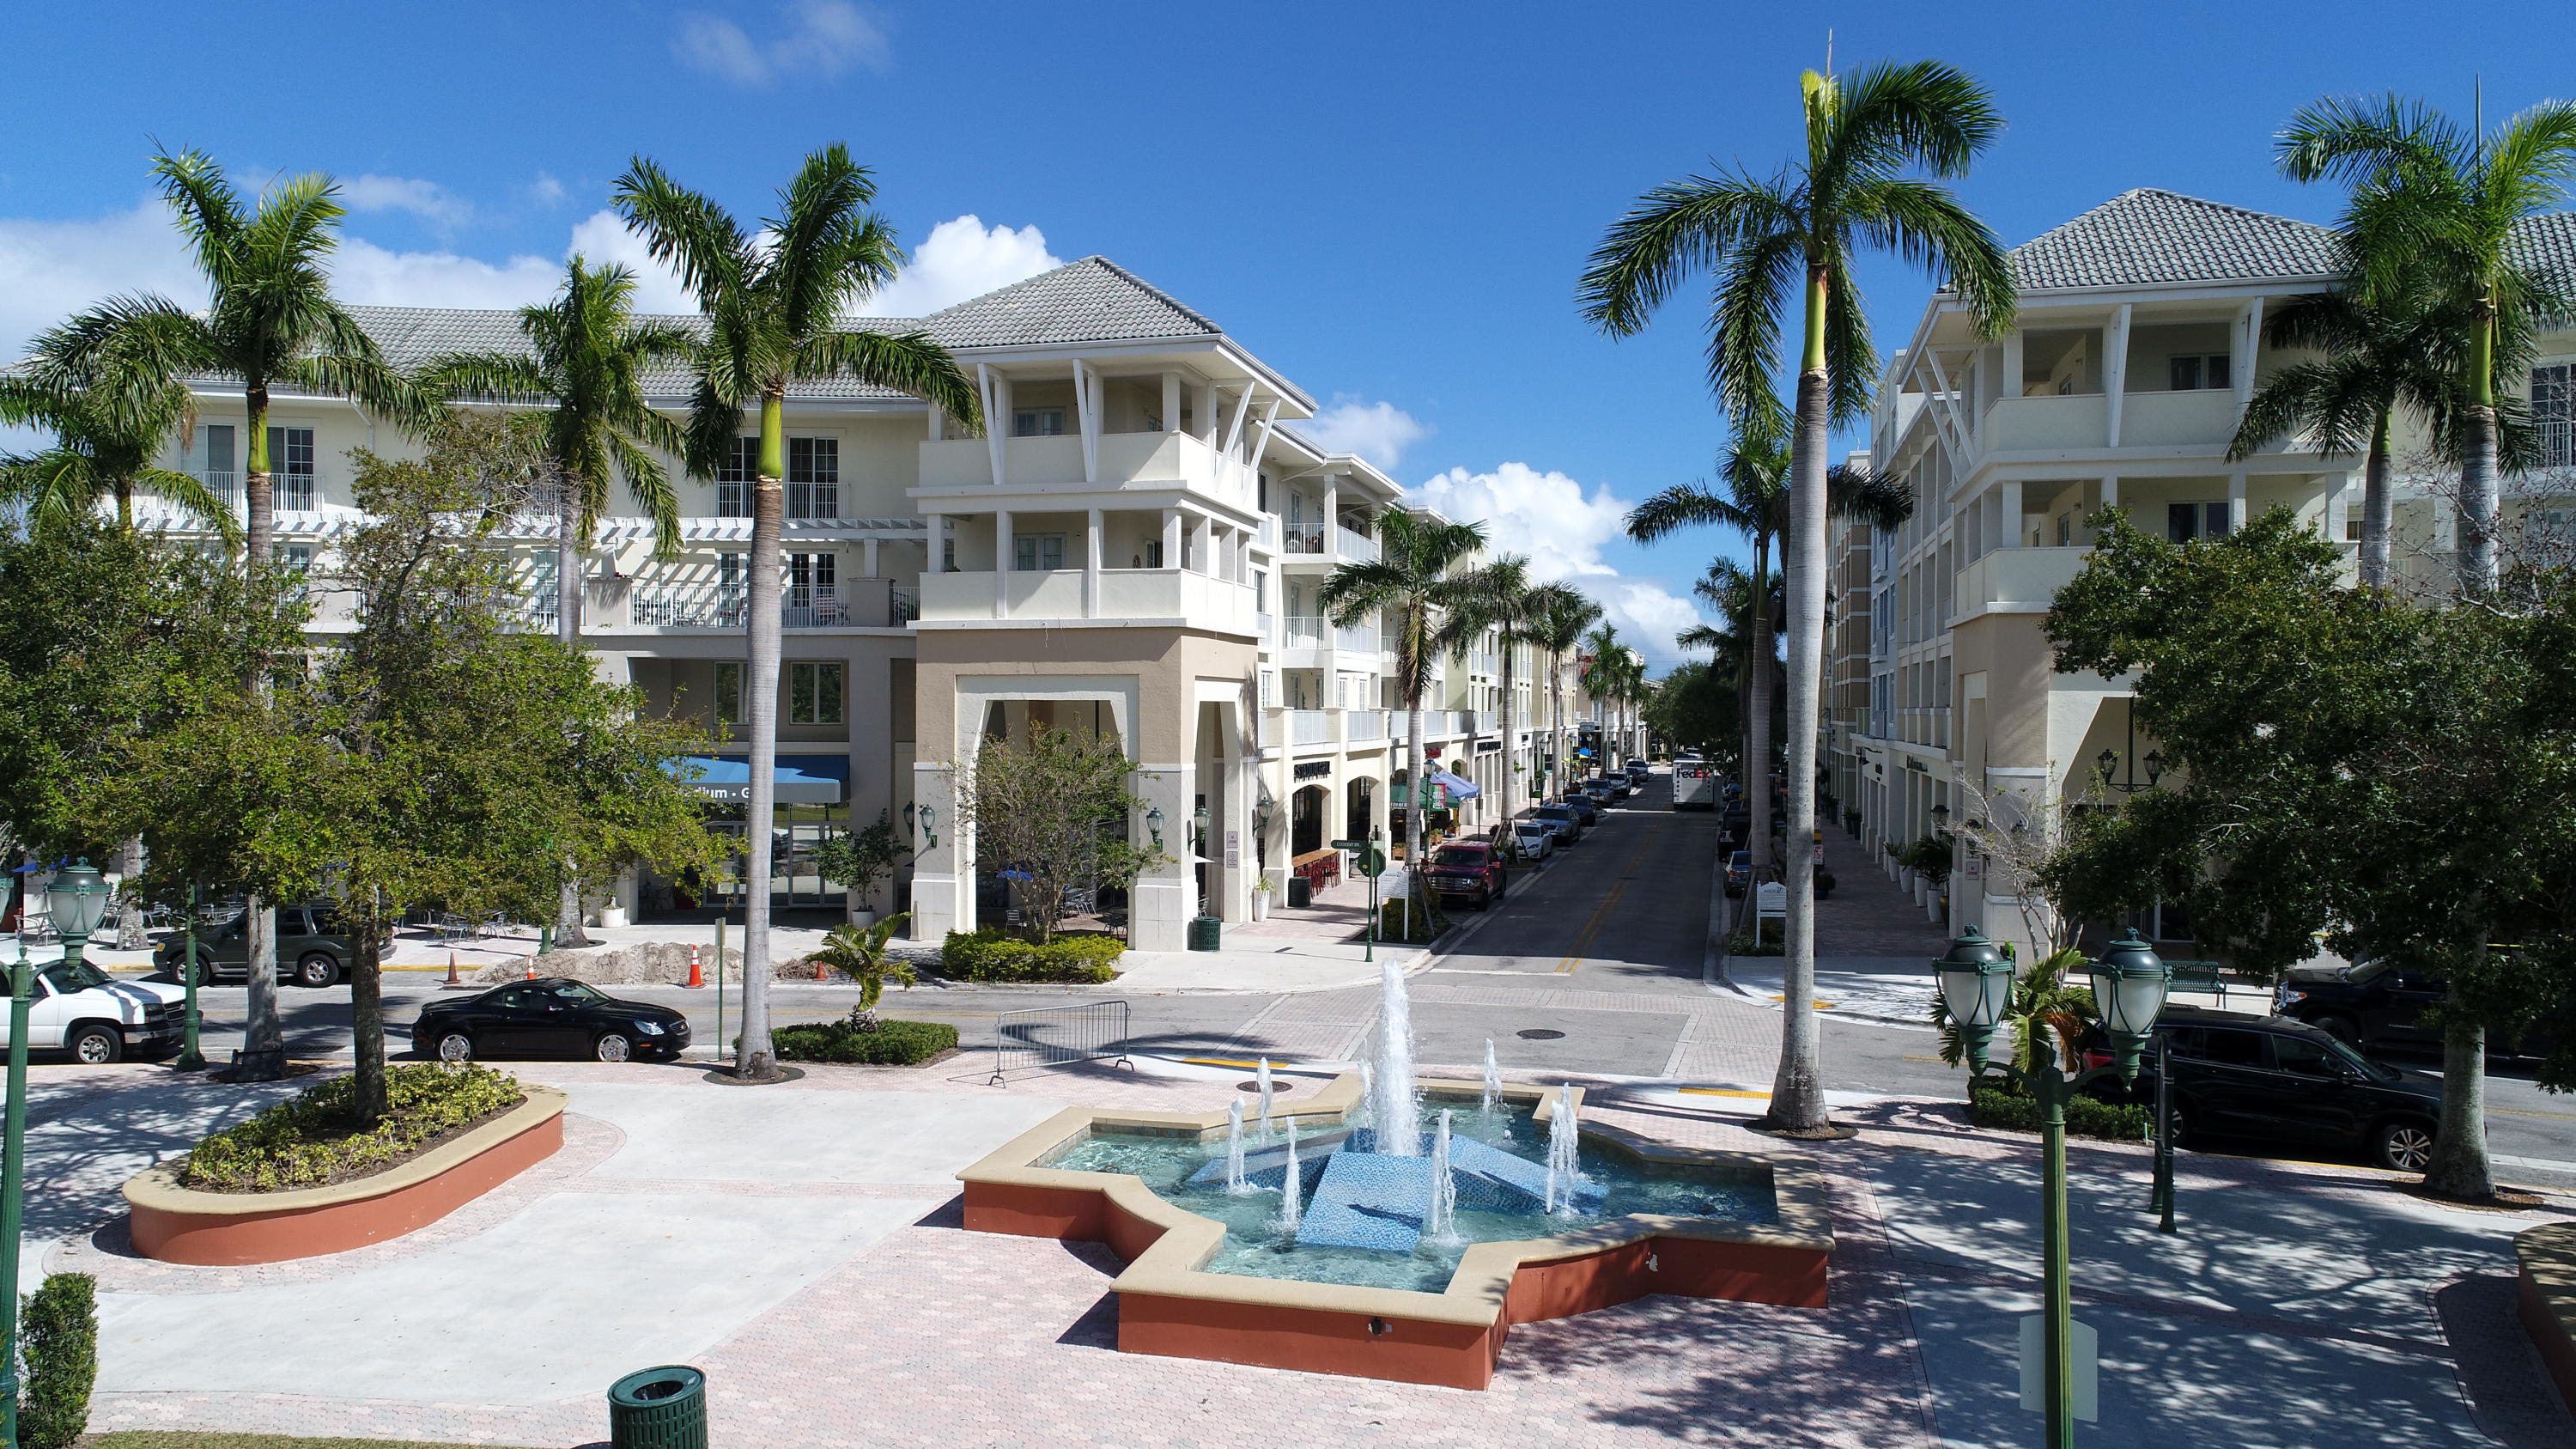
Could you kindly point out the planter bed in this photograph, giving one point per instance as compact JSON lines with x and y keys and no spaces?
{"x":179,"y":1224}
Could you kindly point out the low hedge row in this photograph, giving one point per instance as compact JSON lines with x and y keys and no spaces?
{"x":58,"y":1337}
{"x":310,"y":1139}
{"x":1411,"y":923}
{"x":990,"y":955}
{"x":2085,"y":1116}
{"x":892,"y":1044}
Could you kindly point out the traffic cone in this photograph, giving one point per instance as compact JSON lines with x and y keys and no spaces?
{"x":452,"y":978}
{"x":696,"y":981}
{"x":532,"y":968}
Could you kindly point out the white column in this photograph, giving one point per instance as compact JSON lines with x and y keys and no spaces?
{"x":941,"y":901}
{"x":2235,"y":502}
{"x":938,"y":423}
{"x":1207,"y":412}
{"x":938,"y":524}
{"x":2012,"y":519}
{"x":2111,"y":491}
{"x":1162,"y":901}
{"x":1171,"y":402}
{"x":1002,"y":564}
{"x":997,"y":418}
{"x":1086,"y":407}
{"x":2014,"y":343}
{"x":1171,"y":538}
{"x":1091,"y":567}
{"x":2115,"y":367}
{"x":2248,"y":346}
{"x":2339,"y":509}
{"x":1332,"y":514}
{"x":868,"y":552}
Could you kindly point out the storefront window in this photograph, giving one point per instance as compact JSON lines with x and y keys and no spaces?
{"x":814,"y":693}
{"x":728,"y":692}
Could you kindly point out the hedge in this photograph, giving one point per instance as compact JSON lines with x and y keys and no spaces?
{"x":1423,"y":917}
{"x":892,"y":1044}
{"x":309,"y":1139}
{"x":60,"y":1343}
{"x":2085,"y":1116}
{"x":990,"y":955}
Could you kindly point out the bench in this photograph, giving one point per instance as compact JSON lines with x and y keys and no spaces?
{"x":2199,"y":976}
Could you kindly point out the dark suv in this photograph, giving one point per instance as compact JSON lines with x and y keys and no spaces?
{"x":2379,"y":1004}
{"x":313,"y":949}
{"x":2237,"y":1075}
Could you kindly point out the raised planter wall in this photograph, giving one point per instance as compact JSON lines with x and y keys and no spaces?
{"x":2547,"y":1298}
{"x":223,"y":1229}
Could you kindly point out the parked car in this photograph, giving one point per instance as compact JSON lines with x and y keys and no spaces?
{"x":1534,"y":839}
{"x":2380,"y":1004}
{"x":1585,"y":808}
{"x":98,"y":1019}
{"x":1639,"y":772}
{"x":549,"y":1017}
{"x":1739,"y":872}
{"x":2271,"y":1077}
{"x":1609,"y":787}
{"x":1465,"y":869}
{"x":1565,"y":820}
{"x":313,"y":949}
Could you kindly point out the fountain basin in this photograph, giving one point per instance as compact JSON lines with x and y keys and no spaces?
{"x":1170,"y":1304}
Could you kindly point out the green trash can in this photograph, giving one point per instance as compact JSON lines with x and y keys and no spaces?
{"x":1301,"y":892}
{"x":1205,"y":931}
{"x":659,"y":1408}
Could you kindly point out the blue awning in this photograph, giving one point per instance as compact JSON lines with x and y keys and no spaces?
{"x":719,"y":778}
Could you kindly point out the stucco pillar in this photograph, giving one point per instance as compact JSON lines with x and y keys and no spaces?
{"x":1171,"y":402}
{"x":937,"y":524}
{"x":2236,"y":503}
{"x":1002,"y":564}
{"x":943,"y":892}
{"x":1171,"y":538}
{"x":1332,"y":515}
{"x":1161,"y":903}
{"x":1091,"y":566}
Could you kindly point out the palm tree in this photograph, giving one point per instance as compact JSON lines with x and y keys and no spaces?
{"x":1558,"y":617}
{"x":1757,"y":235}
{"x":774,"y":301}
{"x":1415,"y":584}
{"x":2378,"y":356}
{"x":2433,"y":200}
{"x":1499,"y":605}
{"x":1733,"y":592}
{"x":586,"y":359}
{"x":1605,"y":678}
{"x":108,"y":426}
{"x":270,"y":321}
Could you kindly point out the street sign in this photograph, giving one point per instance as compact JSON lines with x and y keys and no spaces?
{"x":1350,"y":845}
{"x":2083,"y":1347}
{"x":1372,"y":862}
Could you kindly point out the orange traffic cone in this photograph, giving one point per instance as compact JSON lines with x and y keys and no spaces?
{"x":697,"y":981}
{"x":452,"y":978}
{"x":532,"y":968}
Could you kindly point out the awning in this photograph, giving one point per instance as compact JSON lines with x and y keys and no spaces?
{"x":1458,"y":788}
{"x":730,"y":781}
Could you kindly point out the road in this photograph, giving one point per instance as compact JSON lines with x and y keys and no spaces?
{"x":1595,"y":963}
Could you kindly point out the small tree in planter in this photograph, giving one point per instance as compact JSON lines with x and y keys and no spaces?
{"x":859,"y":859}
{"x":1052,"y":816}
{"x":859,"y":952}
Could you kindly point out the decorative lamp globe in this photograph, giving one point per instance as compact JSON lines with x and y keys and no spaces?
{"x":1976,"y":985}
{"x":78,"y":898}
{"x":2129,"y":985}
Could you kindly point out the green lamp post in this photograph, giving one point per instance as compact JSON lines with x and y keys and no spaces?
{"x":78,"y":898}
{"x":2129,"y":983}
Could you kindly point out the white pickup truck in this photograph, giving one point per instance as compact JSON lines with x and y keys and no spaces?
{"x":82,"y":1010}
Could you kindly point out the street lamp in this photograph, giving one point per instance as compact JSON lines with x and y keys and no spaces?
{"x":1940,"y":819}
{"x":2129,"y":985}
{"x":78,"y":898}
{"x":1154,"y":825}
{"x":929,"y":828}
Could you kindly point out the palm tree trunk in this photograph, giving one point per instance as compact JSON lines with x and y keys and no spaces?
{"x":1511,"y":748}
{"x":1798,"y":1089}
{"x":2374,"y":508}
{"x":2479,"y":500}
{"x":760,"y":721}
{"x":262,"y":1031}
{"x":1757,"y":728}
{"x":568,"y":581}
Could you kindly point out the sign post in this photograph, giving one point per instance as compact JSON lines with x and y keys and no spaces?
{"x":1371,"y":862}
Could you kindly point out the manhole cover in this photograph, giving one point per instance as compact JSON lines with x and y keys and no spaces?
{"x":1277,"y":1089}
{"x":1540,"y":1033}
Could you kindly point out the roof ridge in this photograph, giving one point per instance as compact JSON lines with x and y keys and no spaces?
{"x":2095,"y":210}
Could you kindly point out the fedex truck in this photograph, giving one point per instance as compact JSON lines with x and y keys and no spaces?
{"x":1694,"y":785}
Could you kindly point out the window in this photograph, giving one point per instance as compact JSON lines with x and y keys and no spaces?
{"x":2187,"y":521}
{"x":2553,"y":412}
{"x":2352,"y":528}
{"x":734,"y":476}
{"x":813,"y":477}
{"x":219,"y":458}
{"x":290,"y":466}
{"x":1269,"y":688}
{"x":728,"y":691}
{"x":948,"y":555}
{"x":1033,"y":552}
{"x":2202,"y":370}
{"x":1037,"y":423}
{"x":729,"y":577}
{"x":295,"y":558}
{"x":1154,"y":554}
{"x":814,"y":693}
{"x":2227,"y":1045}
{"x":2305,"y":1057}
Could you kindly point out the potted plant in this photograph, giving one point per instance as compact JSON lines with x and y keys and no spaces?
{"x":1261,"y":889}
{"x":858,"y":859}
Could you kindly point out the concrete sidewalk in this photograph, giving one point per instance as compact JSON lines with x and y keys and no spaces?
{"x":1268,"y":965}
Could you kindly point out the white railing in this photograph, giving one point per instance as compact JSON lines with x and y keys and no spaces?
{"x":1489,"y":721}
{"x":812,"y":606}
{"x":1357,"y":638}
{"x":1483,"y":663}
{"x":1363,"y":725}
{"x":1265,"y":729}
{"x":1306,"y":631}
{"x":904,"y":604}
{"x":1308,"y":539}
{"x":1268,"y":534}
{"x":1309,"y":727}
{"x":687,"y":606}
{"x":1353,"y":545}
{"x":1269,"y":627}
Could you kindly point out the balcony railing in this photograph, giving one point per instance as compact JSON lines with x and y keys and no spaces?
{"x":1269,"y":627}
{"x":1310,"y":727}
{"x":688,"y":606}
{"x":1303,"y":540}
{"x":1357,"y":638}
{"x":1353,"y":545}
{"x":1363,"y":726}
{"x":1483,"y":663}
{"x":1306,"y":631}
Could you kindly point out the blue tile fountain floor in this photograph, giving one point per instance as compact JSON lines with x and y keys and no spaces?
{"x":1369,"y":1201}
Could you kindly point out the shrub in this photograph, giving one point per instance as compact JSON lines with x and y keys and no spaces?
{"x":2013,"y":1111}
{"x":311,"y":1138}
{"x":1424,"y":919}
{"x":60,"y":1342}
{"x":890,"y":1044}
{"x":990,"y":955}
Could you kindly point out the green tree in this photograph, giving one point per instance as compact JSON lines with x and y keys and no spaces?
{"x":1052,"y":817}
{"x":439,"y":755}
{"x":1694,"y":707}
{"x":859,"y":952}
{"x":2430,"y":199}
{"x":774,"y":301}
{"x":1611,"y":674}
{"x":2336,"y":759}
{"x":1421,"y":575}
{"x":1498,"y":604}
{"x":1558,"y":617}
{"x":270,"y":321}
{"x":586,"y":359}
{"x":1803,"y":226}
{"x":110,"y":418}
{"x":860,"y":858}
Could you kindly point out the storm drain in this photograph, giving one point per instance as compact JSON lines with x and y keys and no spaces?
{"x":1541,"y":1033}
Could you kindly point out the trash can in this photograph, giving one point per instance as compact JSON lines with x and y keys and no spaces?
{"x":1301,"y":892}
{"x":1205,"y":932}
{"x":659,"y":1408}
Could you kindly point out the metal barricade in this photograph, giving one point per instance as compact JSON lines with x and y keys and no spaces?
{"x":1055,"y":1036}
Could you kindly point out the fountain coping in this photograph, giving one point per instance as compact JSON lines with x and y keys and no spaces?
{"x":1172,"y":1266}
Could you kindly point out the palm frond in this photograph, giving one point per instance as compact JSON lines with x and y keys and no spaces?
{"x":1673,"y":231}
{"x":683,"y":230}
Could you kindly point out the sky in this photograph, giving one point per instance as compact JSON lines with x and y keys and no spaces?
{"x":1390,"y":203}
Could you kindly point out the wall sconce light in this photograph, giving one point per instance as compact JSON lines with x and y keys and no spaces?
{"x":1154,"y":824}
{"x":929,"y":828}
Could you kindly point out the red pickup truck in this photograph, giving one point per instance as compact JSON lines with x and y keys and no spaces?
{"x":1466,"y":869}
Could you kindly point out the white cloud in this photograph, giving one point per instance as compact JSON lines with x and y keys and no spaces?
{"x":56,"y":268}
{"x":1379,"y":431}
{"x":823,"y":38}
{"x":367,"y":274}
{"x":1563,"y":529}
{"x":546,"y":190}
{"x":427,"y":200}
{"x":602,"y":237}
{"x":962,"y":258}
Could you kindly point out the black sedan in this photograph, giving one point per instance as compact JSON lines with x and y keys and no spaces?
{"x":549,"y":1017}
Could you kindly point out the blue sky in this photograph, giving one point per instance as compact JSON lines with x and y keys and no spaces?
{"x":1390,"y":202}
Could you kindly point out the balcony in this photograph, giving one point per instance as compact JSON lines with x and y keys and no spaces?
{"x":1147,"y":462}
{"x":2049,"y":424}
{"x":2202,"y":420}
{"x":2014,"y":581}
{"x":1356,"y":638}
{"x":1306,"y":631}
{"x":687,"y":606}
{"x":1310,"y":727}
{"x":1363,"y":726}
{"x":858,"y":604}
{"x":1353,"y":546}
{"x":1177,"y":597}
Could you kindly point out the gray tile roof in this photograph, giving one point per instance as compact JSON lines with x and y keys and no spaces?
{"x":2548,"y":244}
{"x":2147,"y":236}
{"x":413,"y":335}
{"x":1092,"y":300}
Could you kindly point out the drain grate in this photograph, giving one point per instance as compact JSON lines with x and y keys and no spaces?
{"x":1541,"y":1033}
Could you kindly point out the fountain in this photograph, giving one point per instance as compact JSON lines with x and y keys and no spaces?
{"x":1397,"y":1123}
{"x":1234,"y":1181}
{"x":1289,"y":1183}
{"x":1442,"y":1229}
{"x":1368,"y":1097}
{"x":1564,"y":1165}
{"x":1489,"y":1114}
{"x":1261,"y":1079}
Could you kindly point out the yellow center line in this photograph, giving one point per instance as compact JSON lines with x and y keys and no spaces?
{"x":1573,"y":959}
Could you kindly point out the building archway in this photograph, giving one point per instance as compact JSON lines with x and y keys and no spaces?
{"x":1359,"y":812}
{"x":1306,"y":820}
